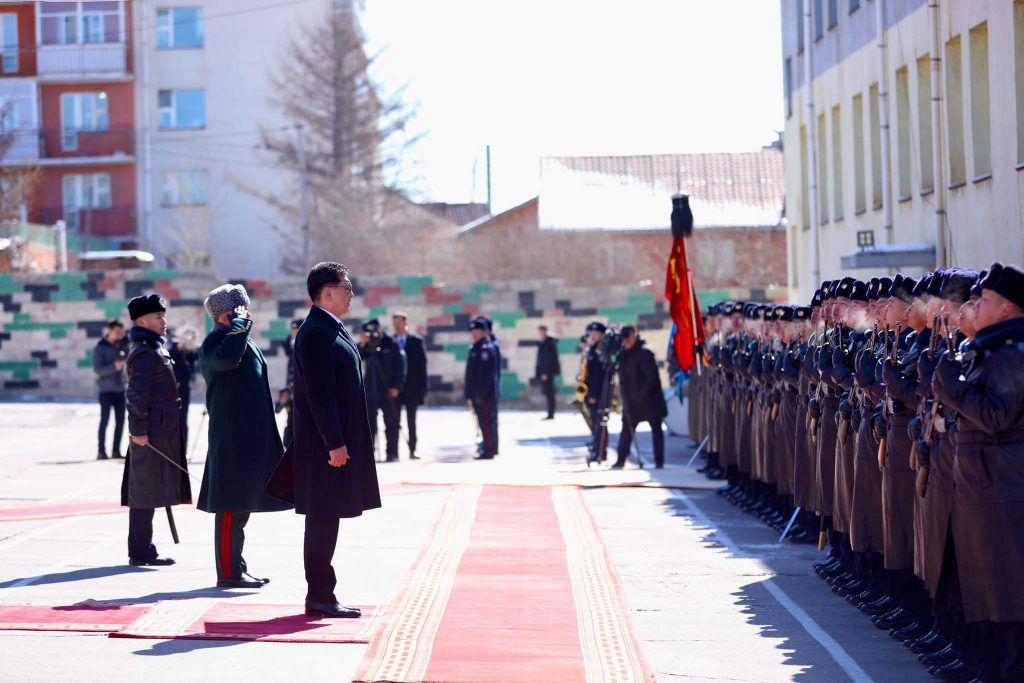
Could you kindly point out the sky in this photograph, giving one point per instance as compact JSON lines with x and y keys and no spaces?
{"x":538,"y":78}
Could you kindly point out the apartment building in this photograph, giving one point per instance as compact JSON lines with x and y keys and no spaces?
{"x":904,"y":148}
{"x":67,"y":90}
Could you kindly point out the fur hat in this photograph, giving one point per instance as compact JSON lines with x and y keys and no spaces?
{"x":144,"y":305}
{"x":1007,"y":282}
{"x":956,"y":286}
{"x":225,"y":299}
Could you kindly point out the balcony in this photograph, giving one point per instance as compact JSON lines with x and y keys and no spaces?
{"x":82,"y":60}
{"x":117,"y":141}
{"x":115,"y":221}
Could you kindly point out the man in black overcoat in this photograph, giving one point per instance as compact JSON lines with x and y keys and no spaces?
{"x":335,"y":473}
{"x":151,"y":479}
{"x":642,"y":396}
{"x":244,"y":445}
{"x":414,"y":391}
{"x":548,"y":368}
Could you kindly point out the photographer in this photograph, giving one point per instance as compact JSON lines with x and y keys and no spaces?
{"x":596,"y":399}
{"x":642,"y":397}
{"x":108,"y":364}
{"x":183,"y":350}
{"x":383,"y":378}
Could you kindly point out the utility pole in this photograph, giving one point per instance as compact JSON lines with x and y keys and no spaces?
{"x":812,"y":146}
{"x":300,"y":150}
{"x":488,"y":179}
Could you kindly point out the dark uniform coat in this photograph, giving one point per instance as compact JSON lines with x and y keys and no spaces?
{"x":988,"y":473}
{"x":149,"y":480}
{"x":640,"y":386}
{"x":414,"y":391}
{"x":547,"y":359}
{"x":330,"y":412}
{"x":244,"y":445}
{"x":480,"y":368}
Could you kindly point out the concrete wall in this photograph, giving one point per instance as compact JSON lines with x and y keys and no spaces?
{"x":50,"y":323}
{"x":984,"y":215}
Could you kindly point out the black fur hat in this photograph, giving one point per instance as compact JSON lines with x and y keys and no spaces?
{"x":1007,"y":282}
{"x":144,"y":305}
{"x":956,"y":286}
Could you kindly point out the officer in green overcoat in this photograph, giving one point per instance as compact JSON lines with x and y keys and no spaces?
{"x":244,"y":444}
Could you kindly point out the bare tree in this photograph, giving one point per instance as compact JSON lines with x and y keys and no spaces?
{"x":346,"y":140}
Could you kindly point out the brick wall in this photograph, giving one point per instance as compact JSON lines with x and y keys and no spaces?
{"x":50,"y":323}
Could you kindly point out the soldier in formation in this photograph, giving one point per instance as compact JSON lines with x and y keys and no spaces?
{"x":886,"y":421}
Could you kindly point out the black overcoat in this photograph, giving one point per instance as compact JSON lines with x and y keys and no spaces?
{"x":244,"y":444}
{"x":330,"y":412}
{"x":150,"y":481}
{"x":548,"y":362}
{"x":415,"y":389}
{"x":642,"y":397}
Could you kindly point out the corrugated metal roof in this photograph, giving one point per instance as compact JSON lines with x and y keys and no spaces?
{"x":459,"y":214}
{"x":744,"y":189}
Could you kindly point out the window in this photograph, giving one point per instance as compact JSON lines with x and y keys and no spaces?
{"x":858,"y":154}
{"x":72,"y":23}
{"x":9,"y":42}
{"x":903,"y":132}
{"x":833,"y":13}
{"x":876,"y":147}
{"x":819,"y":25}
{"x":837,"y":164}
{"x":1018,"y":73}
{"x":924,"y":120}
{"x":799,"y":25}
{"x":787,"y":81}
{"x":84,"y":191}
{"x":185,"y":188}
{"x":181,"y":109}
{"x":81,"y":111}
{"x":805,"y":194}
{"x":822,"y":169}
{"x":955,"y":113}
{"x":179,"y":27}
{"x":854,"y":4}
{"x":981,"y":134}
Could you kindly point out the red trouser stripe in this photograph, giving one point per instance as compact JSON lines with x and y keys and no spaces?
{"x":225,"y":545}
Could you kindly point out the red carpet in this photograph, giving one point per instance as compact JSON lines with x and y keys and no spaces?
{"x":208,"y":619}
{"x":514,"y":585}
{"x":99,"y":618}
{"x":58,"y":510}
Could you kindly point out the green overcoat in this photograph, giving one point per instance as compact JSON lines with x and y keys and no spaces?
{"x":244,"y":444}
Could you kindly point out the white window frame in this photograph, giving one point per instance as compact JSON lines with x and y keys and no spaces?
{"x":101,"y":116}
{"x":77,"y":21}
{"x":9,"y":62}
{"x":180,"y":188}
{"x":168,"y":113}
{"x":165,"y":38}
{"x":88,"y":191}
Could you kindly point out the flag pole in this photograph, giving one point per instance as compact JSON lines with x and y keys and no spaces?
{"x":693,"y":315}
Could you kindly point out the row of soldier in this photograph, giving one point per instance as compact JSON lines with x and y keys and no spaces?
{"x":886,"y":420}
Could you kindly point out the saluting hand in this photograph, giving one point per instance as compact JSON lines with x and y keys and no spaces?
{"x":339,"y":456}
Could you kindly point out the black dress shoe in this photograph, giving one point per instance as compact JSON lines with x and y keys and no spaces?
{"x":864,"y":597}
{"x":940,"y":658}
{"x":243,"y":581}
{"x":879,"y":607}
{"x":957,"y":670}
{"x":413,"y":456}
{"x":101,"y":456}
{"x":484,"y":457}
{"x":151,"y":562}
{"x":933,"y":642}
{"x":331,"y":610}
{"x":852,"y":588}
{"x":116,"y":455}
{"x":909,"y":633}
{"x":897,"y":619}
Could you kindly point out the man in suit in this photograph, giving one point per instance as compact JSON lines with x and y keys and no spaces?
{"x":548,"y":367}
{"x":335,"y":473}
{"x":415,"y":389}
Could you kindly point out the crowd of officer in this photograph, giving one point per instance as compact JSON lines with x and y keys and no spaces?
{"x":886,"y":421}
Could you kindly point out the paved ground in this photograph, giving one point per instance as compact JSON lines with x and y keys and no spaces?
{"x":712,"y":595}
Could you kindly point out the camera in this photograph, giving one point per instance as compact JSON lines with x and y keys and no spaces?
{"x":611,"y":345}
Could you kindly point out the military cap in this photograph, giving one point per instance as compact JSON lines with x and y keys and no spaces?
{"x":628,"y":331}
{"x":371,"y":325}
{"x":748,"y":309}
{"x":479,"y":324}
{"x":817,"y":298}
{"x":833,"y":288}
{"x":738,"y":306}
{"x":884,"y":287}
{"x":873,"y":285}
{"x":784,"y":313}
{"x":845,"y":287}
{"x":144,"y":305}
{"x":802,"y":313}
{"x":592,"y":327}
{"x":956,"y":286}
{"x":858,"y":291}
{"x":903,"y":288}
{"x":976,"y":287}
{"x":1007,"y":282}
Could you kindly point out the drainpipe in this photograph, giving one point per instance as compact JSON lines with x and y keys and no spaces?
{"x":883,"y":122}
{"x":147,"y":155}
{"x":812,"y":145}
{"x":939,"y":195}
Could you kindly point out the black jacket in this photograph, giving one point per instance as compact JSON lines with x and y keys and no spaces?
{"x":640,"y":384}
{"x":330,"y":412}
{"x":104,"y":355}
{"x":383,"y":367}
{"x":547,"y":359}
{"x":415,"y":389}
{"x":481,"y":384}
{"x":150,"y":481}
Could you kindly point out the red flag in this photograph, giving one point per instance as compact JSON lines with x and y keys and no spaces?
{"x":683,"y":306}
